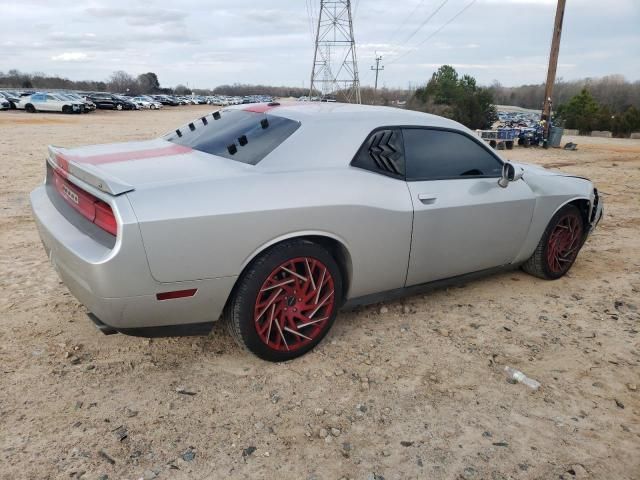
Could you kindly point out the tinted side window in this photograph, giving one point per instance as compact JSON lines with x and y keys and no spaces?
{"x":440,"y":154}
{"x":383,"y":153}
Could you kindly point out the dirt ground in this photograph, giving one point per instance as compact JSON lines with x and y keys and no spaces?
{"x":409,"y":389}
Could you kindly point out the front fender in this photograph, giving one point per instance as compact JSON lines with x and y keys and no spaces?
{"x":553,"y":192}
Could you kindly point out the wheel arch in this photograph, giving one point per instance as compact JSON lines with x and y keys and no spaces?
{"x":336,"y":246}
{"x":538,"y":227}
{"x":581,"y":203}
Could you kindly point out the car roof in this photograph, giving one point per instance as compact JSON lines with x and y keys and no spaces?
{"x":336,"y":131}
{"x":373,"y":116}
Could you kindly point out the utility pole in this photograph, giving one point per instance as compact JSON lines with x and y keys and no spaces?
{"x":551,"y":72}
{"x":377,"y":69}
{"x":335,"y":40}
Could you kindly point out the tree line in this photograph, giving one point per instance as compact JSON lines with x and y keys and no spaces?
{"x":120,"y":82}
{"x":614,"y":91}
{"x":607,"y":103}
{"x":456,"y":97}
{"x":584,"y":113}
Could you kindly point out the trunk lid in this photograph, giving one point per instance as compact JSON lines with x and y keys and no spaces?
{"x":123,"y":167}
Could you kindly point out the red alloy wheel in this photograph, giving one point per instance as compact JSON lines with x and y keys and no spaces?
{"x":294,"y":304}
{"x":564,"y":243}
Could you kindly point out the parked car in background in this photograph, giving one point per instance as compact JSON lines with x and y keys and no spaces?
{"x":126,"y":102}
{"x":50,"y":102}
{"x":166,"y":100}
{"x":155,"y":104}
{"x":111,"y":102}
{"x":163,"y":237}
{"x":146,"y":102}
{"x":4,"y":103}
{"x":12,"y":97}
{"x":89,"y":106}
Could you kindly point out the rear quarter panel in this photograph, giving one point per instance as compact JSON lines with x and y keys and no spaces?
{"x":211,"y":229}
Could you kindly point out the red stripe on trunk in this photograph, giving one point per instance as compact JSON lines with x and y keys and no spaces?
{"x":63,"y":161}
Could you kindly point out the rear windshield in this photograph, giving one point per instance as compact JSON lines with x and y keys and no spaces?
{"x":239,"y":135}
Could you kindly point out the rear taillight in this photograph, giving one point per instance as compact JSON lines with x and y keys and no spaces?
{"x":90,"y":207}
{"x":105,"y":218}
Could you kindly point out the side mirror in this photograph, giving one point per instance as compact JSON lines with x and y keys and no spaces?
{"x":510,"y":173}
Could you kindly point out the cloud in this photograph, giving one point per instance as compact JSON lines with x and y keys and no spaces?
{"x":70,"y":57}
{"x":210,"y":43}
{"x":139,"y":15}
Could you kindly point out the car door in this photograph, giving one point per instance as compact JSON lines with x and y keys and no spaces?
{"x":464,"y":221}
{"x":52,"y":104}
{"x":39,"y":101}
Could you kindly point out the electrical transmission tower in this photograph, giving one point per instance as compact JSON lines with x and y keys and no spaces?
{"x":335,"y":65}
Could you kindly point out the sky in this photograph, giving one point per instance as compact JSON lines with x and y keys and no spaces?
{"x":205,"y":43}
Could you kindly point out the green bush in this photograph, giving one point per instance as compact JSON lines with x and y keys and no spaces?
{"x":458,"y":98}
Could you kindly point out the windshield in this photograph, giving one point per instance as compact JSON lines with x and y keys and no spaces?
{"x":239,"y":135}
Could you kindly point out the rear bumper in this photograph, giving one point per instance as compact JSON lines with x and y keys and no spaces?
{"x":114,"y":282}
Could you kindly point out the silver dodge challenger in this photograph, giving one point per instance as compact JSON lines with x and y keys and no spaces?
{"x":273,"y":217}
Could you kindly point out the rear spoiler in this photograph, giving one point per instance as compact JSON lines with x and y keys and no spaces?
{"x":67,"y":164}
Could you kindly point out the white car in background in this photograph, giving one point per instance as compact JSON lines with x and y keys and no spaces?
{"x":146,"y":102}
{"x":50,"y":102}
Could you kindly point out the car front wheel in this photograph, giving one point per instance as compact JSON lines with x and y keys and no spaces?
{"x":559,"y":245}
{"x":286,"y":301}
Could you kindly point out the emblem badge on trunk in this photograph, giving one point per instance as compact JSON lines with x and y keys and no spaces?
{"x":71,"y":195}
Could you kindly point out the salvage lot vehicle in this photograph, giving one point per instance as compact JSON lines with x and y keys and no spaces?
{"x":50,"y":102}
{"x":251,"y":214}
{"x":12,"y":97}
{"x":89,"y":106}
{"x":111,"y":102}
{"x":146,"y":102}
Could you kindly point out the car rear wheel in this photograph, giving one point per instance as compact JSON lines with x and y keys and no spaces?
{"x":30,"y":108}
{"x":286,"y":301}
{"x":119,"y":106}
{"x":559,"y":246}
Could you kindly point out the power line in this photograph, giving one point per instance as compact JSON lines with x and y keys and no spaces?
{"x":310,"y":16}
{"x":421,"y":26}
{"x":451,"y":20}
{"x":407,"y":18}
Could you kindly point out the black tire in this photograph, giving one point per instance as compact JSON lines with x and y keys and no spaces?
{"x":539,"y":264}
{"x":66,"y":109}
{"x":493,"y":144}
{"x":29,"y":108}
{"x":241,"y":308}
{"x":509,"y":145}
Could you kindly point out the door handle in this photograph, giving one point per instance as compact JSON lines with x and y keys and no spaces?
{"x":427,"y":198}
